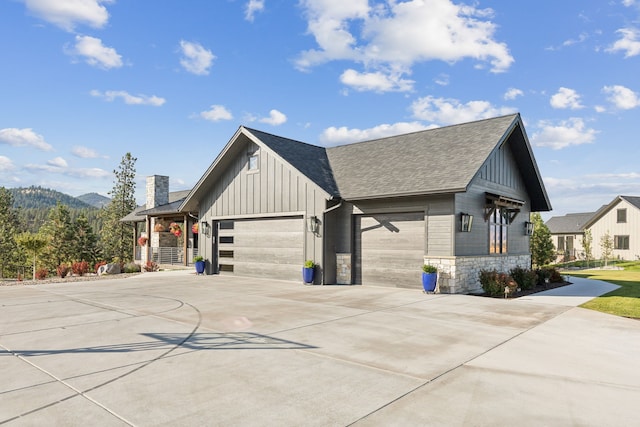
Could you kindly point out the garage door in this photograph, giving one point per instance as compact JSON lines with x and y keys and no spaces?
{"x":389,"y":249}
{"x":270,"y":248}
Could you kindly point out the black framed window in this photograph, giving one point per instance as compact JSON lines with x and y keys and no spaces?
{"x":622,"y":215}
{"x":620,"y":242}
{"x":498,"y":231}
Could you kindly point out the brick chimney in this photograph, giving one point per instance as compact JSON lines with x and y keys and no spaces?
{"x":157,"y":191}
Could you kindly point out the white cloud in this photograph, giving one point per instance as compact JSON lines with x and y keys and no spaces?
{"x":393,"y":37}
{"x":111,"y":95}
{"x":196,"y":59}
{"x":376,"y":81}
{"x":622,"y":97}
{"x":563,"y":134}
{"x":566,"y":98}
{"x":628,"y":43}
{"x":58,"y":162}
{"x":23,"y":138}
{"x":342,"y":135}
{"x":6,"y":164}
{"x":253,"y":7}
{"x":442,"y":80}
{"x":512,"y":93}
{"x":446,"y":111}
{"x":275,"y":118}
{"x":86,"y":153}
{"x":95,"y":53}
{"x":216,"y":113}
{"x":73,"y":172}
{"x":66,"y":14}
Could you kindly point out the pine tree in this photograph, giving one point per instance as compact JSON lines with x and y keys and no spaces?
{"x":541,"y":245}
{"x":61,"y":235}
{"x":117,"y":236}
{"x":86,"y":244}
{"x":9,"y":254}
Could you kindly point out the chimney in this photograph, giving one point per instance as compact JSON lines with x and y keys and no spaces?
{"x":157,"y":191}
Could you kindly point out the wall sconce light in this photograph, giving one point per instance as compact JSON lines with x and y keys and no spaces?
{"x":528,"y":228}
{"x":465,"y":222}
{"x":205,"y":227}
{"x":313,"y":224}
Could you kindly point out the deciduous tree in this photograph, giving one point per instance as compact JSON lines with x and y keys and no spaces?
{"x":33,"y":244}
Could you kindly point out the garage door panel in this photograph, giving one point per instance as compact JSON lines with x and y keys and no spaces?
{"x":269,"y":270}
{"x":269,"y":240}
{"x":273,"y":255}
{"x":390,"y":249}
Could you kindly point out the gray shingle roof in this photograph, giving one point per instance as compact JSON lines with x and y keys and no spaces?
{"x":309,"y":159}
{"x":426,"y":162}
{"x":572,"y":223}
{"x":175,"y":200}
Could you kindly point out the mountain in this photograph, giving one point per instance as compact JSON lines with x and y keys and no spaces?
{"x":94,"y":199}
{"x":38,"y":197}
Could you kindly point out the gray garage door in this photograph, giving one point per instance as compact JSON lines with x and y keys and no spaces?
{"x":270,"y":248}
{"x":389,"y":249}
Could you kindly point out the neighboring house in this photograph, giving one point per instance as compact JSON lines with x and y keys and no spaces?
{"x":165,"y":244}
{"x":620,"y":220}
{"x":567,"y":233}
{"x":371,"y":213}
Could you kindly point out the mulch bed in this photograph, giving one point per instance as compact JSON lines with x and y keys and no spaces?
{"x":68,"y":279}
{"x":522,"y":293}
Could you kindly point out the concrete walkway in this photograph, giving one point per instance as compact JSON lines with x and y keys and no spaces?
{"x":580,"y":291}
{"x":178,"y":349}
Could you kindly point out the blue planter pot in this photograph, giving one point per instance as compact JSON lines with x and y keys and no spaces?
{"x":429,"y":281}
{"x":307,"y":275}
{"x":199,"y":267}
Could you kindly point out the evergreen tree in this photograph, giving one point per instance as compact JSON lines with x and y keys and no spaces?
{"x":541,"y":245}
{"x":86,"y":244}
{"x":117,"y":236}
{"x":9,"y":254}
{"x":33,"y":244}
{"x":61,"y":235}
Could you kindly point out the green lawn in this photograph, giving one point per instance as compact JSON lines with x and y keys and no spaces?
{"x":624,"y":301}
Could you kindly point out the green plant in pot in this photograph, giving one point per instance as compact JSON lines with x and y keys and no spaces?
{"x":308,"y":271}
{"x":429,"y":277}
{"x":199,"y":263}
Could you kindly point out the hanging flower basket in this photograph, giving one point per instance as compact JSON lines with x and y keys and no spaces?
{"x":194,"y":228}
{"x":158,"y":227}
{"x":175,"y":229}
{"x":142,"y":240}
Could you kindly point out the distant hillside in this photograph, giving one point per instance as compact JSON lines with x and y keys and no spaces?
{"x":94,"y":199}
{"x":38,"y":197}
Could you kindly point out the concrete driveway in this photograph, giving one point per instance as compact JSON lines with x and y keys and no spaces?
{"x":172,"y":348}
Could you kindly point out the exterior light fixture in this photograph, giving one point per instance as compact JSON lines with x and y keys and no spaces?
{"x":465,"y":222}
{"x":313,"y":224}
{"x":528,"y":228}
{"x":205,"y":227}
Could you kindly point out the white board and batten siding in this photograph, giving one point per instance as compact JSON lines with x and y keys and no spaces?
{"x":268,"y":207}
{"x":608,"y":224}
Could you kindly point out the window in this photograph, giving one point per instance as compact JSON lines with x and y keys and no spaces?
{"x":498,"y":226}
{"x":226,"y":239}
{"x":226,"y":225}
{"x":561,"y":243}
{"x":226,"y":267}
{"x":253,"y":162}
{"x":226,"y":254}
{"x":622,"y":215}
{"x":620,"y":242}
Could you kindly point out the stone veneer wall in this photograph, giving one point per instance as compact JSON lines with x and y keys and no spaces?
{"x":460,"y":275}
{"x":343,"y":267}
{"x":157,"y":191}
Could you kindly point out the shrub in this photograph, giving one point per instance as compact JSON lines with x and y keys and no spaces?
{"x":543,"y":274}
{"x":426,"y":268}
{"x":556,"y":277}
{"x":132,"y":267}
{"x":80,"y":268}
{"x":62,"y":270}
{"x":98,"y":265}
{"x":42,"y":273}
{"x":494,"y":283}
{"x":524,"y":277}
{"x":151,"y":266}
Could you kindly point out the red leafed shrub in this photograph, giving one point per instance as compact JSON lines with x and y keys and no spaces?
{"x":62,"y":270}
{"x":80,"y":268}
{"x":42,"y":273}
{"x":151,"y":266}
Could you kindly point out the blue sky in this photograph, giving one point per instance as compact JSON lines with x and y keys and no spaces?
{"x":85,"y":81}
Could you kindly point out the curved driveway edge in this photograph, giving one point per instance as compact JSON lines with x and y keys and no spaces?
{"x":180,"y":349}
